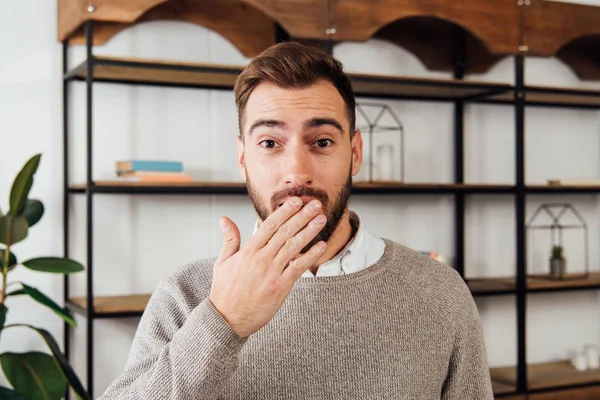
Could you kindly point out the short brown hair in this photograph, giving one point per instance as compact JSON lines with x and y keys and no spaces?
{"x":293,"y":65}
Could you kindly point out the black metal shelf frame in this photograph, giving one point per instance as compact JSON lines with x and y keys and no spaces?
{"x":519,"y":190}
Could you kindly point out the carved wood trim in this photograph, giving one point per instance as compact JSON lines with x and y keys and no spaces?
{"x":73,"y":13}
{"x":570,"y":32}
{"x":432,"y":41}
{"x":249,"y":30}
{"x":495,"y":23}
{"x":550,"y":25}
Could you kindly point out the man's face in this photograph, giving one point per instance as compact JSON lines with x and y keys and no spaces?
{"x":296,"y":142}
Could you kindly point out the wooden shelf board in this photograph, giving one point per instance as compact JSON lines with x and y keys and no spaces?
{"x":491,"y":285}
{"x":160,"y":72}
{"x":563,"y":188}
{"x":163,"y":72}
{"x":109,"y":186}
{"x":540,"y":283}
{"x":547,"y":375}
{"x":115,"y":304}
{"x":162,"y":184}
{"x":502,"y":388}
{"x":554,"y":95}
{"x":534,"y":283}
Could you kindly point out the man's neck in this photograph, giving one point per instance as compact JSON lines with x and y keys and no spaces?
{"x":342,"y":235}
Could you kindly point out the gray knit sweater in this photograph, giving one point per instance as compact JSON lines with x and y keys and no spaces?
{"x":404,"y":328}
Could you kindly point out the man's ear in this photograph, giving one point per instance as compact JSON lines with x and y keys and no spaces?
{"x":241,"y":161}
{"x":357,"y":152}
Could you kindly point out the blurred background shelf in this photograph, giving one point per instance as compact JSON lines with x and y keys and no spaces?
{"x":111,"y":306}
{"x":535,"y":284}
{"x":548,"y":375}
{"x":128,"y":187}
{"x":215,"y":76}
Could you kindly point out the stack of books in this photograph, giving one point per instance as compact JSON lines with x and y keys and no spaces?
{"x":151,"y":171}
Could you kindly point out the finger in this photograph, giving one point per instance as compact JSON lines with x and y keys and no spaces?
{"x":297,"y":267}
{"x":231,"y":239}
{"x":291,"y":227}
{"x":292,"y":246}
{"x":270,"y":225}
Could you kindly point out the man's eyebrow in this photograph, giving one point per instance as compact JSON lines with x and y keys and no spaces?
{"x":316,"y":122}
{"x":269,"y":123}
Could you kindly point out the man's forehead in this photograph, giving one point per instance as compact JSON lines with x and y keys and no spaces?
{"x":268,"y":101}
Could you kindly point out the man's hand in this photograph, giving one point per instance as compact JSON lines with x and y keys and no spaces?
{"x":250,"y":285}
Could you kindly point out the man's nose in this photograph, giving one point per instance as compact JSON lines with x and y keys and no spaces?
{"x":298,"y":167}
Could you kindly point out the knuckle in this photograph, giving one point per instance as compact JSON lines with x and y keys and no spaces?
{"x":291,"y":243}
{"x":270,"y":224}
{"x":286,"y":228}
{"x":230,"y":240}
{"x":274,"y":287}
{"x":295,"y":264}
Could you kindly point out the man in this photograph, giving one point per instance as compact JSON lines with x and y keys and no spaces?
{"x":311,"y":306}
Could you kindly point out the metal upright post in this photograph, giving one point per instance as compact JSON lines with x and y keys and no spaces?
{"x":459,"y":198}
{"x":89,"y":210}
{"x":66,"y":195}
{"x":520,"y":224}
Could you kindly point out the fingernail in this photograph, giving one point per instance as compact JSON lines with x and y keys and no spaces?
{"x":320,"y":219}
{"x":321,"y":247}
{"x":223,"y":225}
{"x":295,"y":201}
{"x":315,"y":205}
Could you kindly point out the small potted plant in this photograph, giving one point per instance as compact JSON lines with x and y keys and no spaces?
{"x":558,"y":264}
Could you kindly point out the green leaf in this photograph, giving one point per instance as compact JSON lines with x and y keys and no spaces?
{"x":9,"y":394}
{"x":3,"y":312}
{"x":62,"y":360}
{"x":12,"y":258}
{"x":34,"y":375}
{"x":18,"y":226}
{"x":48,"y":302}
{"x":22,"y":185}
{"x":16,"y":293}
{"x":34,"y":209}
{"x":53,"y":264}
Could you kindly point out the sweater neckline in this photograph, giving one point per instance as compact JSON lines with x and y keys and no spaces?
{"x":381,"y":265}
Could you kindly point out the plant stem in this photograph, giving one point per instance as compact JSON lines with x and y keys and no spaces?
{"x":6,"y":261}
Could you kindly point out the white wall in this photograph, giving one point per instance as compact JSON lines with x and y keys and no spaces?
{"x":138,"y":239}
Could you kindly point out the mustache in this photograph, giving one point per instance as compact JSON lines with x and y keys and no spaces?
{"x":281,"y":196}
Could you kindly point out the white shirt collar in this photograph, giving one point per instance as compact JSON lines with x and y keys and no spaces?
{"x":362,"y":251}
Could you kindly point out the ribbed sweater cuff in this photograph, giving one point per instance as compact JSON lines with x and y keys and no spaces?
{"x":207,"y":316}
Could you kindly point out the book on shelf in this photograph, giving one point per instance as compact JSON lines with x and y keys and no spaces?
{"x":133,"y":177}
{"x":151,"y":171}
{"x":575,"y":182}
{"x":149,"y":165}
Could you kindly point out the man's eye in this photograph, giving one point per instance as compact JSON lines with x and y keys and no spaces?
{"x":269,"y":144}
{"x":324,"y":142}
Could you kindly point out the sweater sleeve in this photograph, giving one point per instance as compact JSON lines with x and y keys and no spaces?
{"x":175,"y":355}
{"x":468,"y":375}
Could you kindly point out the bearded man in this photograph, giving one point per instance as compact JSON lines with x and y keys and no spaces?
{"x":312,"y":306}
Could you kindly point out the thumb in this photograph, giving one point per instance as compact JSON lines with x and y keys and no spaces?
{"x":231,"y":239}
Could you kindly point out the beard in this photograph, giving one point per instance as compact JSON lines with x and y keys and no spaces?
{"x":333,"y":209}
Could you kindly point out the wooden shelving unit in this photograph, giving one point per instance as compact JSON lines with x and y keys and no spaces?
{"x":462,"y":38}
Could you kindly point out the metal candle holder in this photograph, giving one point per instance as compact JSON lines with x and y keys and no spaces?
{"x":556,"y":211}
{"x":373,"y":125}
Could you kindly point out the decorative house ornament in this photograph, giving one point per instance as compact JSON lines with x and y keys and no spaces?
{"x":551,"y":217}
{"x":385,"y":143}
